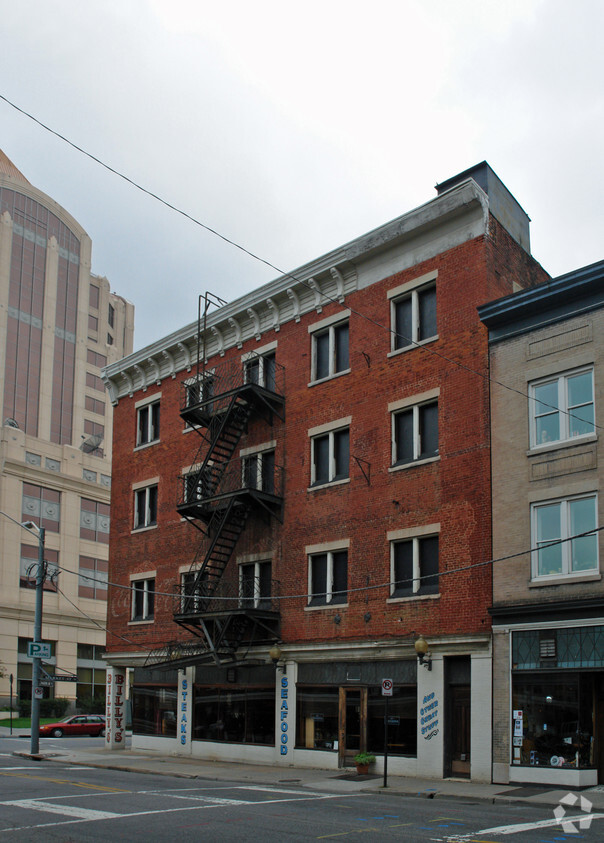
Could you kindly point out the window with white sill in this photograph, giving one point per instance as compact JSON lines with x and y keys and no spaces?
{"x":413,"y":317}
{"x":561,"y":408}
{"x":415,"y":433}
{"x":563,"y":538}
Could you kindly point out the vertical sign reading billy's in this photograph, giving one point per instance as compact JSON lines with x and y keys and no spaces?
{"x":115,"y":727}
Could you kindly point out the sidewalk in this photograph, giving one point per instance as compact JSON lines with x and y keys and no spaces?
{"x":325,"y":781}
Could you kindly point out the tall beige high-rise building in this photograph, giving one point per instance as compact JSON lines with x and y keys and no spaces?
{"x":59,"y":325}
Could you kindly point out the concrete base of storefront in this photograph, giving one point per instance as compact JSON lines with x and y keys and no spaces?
{"x":554,"y":776}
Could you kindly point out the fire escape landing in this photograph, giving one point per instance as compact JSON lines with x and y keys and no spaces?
{"x":220,"y":494}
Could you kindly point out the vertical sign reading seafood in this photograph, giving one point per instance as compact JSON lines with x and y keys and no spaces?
{"x":284,"y":715}
{"x":115,"y":727}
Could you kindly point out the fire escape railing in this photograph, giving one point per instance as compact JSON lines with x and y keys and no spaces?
{"x":221,"y":491}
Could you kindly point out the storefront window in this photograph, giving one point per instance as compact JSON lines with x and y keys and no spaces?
{"x":234,"y":715}
{"x":552,"y":723}
{"x":317,"y":726}
{"x":402,"y":721}
{"x":154,"y":711}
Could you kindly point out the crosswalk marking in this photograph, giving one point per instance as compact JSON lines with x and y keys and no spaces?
{"x":66,"y":810}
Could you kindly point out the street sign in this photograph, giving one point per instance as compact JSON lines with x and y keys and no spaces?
{"x":39,"y":693}
{"x":386,"y":687}
{"x":47,"y":683}
{"x":38,"y":650}
{"x":56,"y":678}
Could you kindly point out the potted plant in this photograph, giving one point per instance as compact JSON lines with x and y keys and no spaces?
{"x":363,"y":760}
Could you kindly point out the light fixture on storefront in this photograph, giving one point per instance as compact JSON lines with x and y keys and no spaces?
{"x":275,"y":655}
{"x":421,"y":648}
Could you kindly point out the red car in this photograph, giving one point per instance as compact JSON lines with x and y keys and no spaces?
{"x":77,"y":724}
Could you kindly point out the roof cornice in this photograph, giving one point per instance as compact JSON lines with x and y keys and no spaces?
{"x":560,"y":298}
{"x":328,"y":279}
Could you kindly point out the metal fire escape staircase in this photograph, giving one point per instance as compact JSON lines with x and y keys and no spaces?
{"x":218,"y":496}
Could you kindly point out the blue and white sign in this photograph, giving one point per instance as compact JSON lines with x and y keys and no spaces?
{"x":38,"y":650}
{"x":284,"y":715}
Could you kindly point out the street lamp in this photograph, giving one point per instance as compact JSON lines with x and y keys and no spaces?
{"x":421,"y":648}
{"x":40,"y":533}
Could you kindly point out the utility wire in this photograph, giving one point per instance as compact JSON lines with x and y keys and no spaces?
{"x":426,"y":348}
{"x":389,"y":584}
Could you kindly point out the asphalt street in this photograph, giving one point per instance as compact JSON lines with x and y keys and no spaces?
{"x":63,"y":802}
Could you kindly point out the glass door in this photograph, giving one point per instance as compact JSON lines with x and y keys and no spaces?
{"x":353,"y":724}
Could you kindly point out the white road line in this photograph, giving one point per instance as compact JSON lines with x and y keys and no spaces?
{"x":84,"y":815}
{"x":268,"y":789}
{"x":520,"y":828}
{"x":66,"y":810}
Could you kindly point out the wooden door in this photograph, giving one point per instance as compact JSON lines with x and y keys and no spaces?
{"x":352,"y":724}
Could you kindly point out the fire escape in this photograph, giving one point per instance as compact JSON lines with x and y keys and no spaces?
{"x":219,"y":496}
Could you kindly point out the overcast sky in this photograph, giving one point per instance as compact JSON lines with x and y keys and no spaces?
{"x":292,"y":128}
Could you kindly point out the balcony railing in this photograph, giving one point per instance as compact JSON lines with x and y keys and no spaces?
{"x":248,"y":477}
{"x":208,"y":392}
{"x":252,"y":596}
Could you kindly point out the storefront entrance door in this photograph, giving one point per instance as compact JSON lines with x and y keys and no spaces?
{"x":352,"y":724}
{"x":459,"y":734}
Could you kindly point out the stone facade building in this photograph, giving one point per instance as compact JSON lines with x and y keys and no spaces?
{"x":59,"y":325}
{"x":546,"y":347}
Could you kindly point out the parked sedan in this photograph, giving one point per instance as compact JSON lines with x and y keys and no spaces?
{"x":77,"y":724}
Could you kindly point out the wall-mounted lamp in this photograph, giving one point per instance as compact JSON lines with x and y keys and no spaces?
{"x":421,"y":648}
{"x":275,"y":655}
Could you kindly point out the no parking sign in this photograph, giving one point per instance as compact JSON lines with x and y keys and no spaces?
{"x":386,"y":687}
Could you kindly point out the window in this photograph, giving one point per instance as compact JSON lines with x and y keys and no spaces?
{"x":259,"y":471}
{"x":111,"y":316}
{"x":147,"y":424}
{"x":199,"y":390}
{"x":415,"y":433}
{"x":242,"y":713}
{"x":193,"y":591}
{"x":94,"y":521}
{"x":199,"y":484}
{"x":330,"y":457}
{"x":94,"y":296}
{"x":328,"y":578}
{"x":29,"y":568}
{"x":93,"y":323}
{"x":91,"y":669}
{"x":414,"y":317}
{"x":330,"y":351}
{"x":260,"y":369}
{"x":94,"y":382}
{"x":143,"y":599}
{"x":145,"y":507}
{"x":93,"y":578}
{"x":255,"y":585}
{"x":96,"y":359}
{"x":94,"y":405}
{"x":556,"y":522}
{"x":43,"y":506}
{"x":562,"y":408}
{"x":414,"y":566}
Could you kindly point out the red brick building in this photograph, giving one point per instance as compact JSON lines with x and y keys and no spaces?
{"x":301,"y":491}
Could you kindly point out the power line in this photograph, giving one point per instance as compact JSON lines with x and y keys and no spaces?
{"x":487,"y":377}
{"x":365,"y":588}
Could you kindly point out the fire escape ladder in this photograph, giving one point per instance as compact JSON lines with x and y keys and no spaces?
{"x":224,"y":433}
{"x":225,"y":528}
